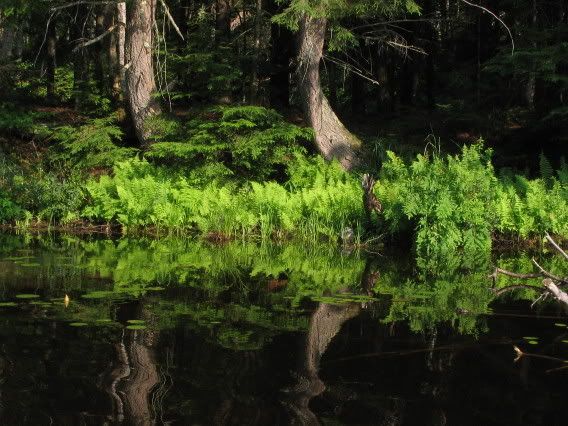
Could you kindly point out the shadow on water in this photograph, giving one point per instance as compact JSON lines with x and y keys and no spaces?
{"x":171,"y":331}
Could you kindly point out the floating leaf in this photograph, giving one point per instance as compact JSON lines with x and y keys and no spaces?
{"x":136,"y":321}
{"x":136,"y":327}
{"x":16,"y":258}
{"x":530,"y":338}
{"x":97,"y":295}
{"x":27,"y":296}
{"x":40,"y":303}
{"x":7,"y":304}
{"x":532,"y":342}
{"x":104,"y":320}
{"x":78,"y":324}
{"x":558,"y":324}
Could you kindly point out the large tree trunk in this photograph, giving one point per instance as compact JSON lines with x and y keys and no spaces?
{"x":332,"y":139}
{"x":140,"y":86}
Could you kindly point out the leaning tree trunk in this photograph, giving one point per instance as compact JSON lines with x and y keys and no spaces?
{"x":140,"y":86}
{"x":332,"y":139}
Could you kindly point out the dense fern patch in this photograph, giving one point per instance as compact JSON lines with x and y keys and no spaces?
{"x":140,"y":194}
{"x":458,"y":203}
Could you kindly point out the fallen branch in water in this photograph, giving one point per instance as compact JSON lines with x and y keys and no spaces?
{"x":520,"y":354}
{"x":550,"y":284}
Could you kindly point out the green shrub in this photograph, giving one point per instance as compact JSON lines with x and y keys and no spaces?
{"x":93,"y":144}
{"x":9,"y":211}
{"x":43,"y":194}
{"x":252,"y":142}
{"x":15,"y":122}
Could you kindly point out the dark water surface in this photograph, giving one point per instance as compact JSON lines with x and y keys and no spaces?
{"x":170,"y":331}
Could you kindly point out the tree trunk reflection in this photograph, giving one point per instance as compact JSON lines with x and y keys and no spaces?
{"x":325,"y":323}
{"x":133,"y":379}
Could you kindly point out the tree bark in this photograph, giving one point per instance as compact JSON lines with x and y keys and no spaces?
{"x":332,"y":139}
{"x":140,"y":86}
{"x":222,"y":21}
{"x":121,"y":41}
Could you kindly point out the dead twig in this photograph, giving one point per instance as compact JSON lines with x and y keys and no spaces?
{"x":556,"y":246}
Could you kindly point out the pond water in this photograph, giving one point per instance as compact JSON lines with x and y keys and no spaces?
{"x":172,"y":331}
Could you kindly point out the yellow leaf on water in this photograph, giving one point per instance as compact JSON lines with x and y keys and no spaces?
{"x":66,"y":300}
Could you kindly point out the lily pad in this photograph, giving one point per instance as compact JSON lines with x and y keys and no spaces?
{"x":559,"y":324}
{"x":40,"y":303}
{"x":136,"y":327}
{"x":98,"y":295}
{"x":532,"y":342}
{"x":104,"y":320}
{"x":530,"y":338}
{"x":27,"y":296}
{"x":7,"y":304}
{"x":136,"y":321}
{"x":78,"y":324}
{"x":16,"y":258}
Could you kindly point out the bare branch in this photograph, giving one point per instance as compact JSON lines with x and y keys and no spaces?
{"x":500,"y":291}
{"x":497,"y":18}
{"x":44,"y":36}
{"x":78,"y":3}
{"x":407,"y":47}
{"x":513,"y":274}
{"x":171,"y":19}
{"x":351,"y":68}
{"x":546,"y":273}
{"x":96,"y":39}
{"x":556,"y":246}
